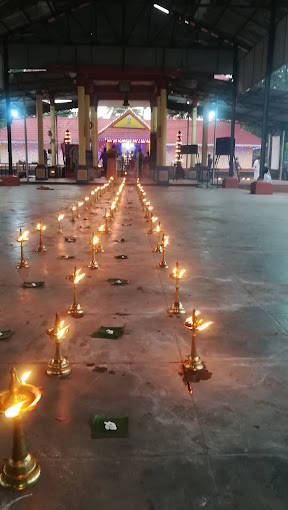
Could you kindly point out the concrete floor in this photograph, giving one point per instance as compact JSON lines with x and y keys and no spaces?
{"x":223,"y":447}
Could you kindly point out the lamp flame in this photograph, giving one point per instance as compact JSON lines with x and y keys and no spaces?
{"x":24,"y":377}
{"x":60,"y":217}
{"x":154,"y":218}
{"x":86,"y":198}
{"x":79,"y":204}
{"x":166,"y":241}
{"x":62,"y":331}
{"x":23,"y":237}
{"x":74,"y":208}
{"x":41,"y":227}
{"x":13,"y":411}
{"x":95,"y":240}
{"x":78,"y":276}
{"x":180,"y":274}
{"x":150,"y":208}
{"x":204,"y":326}
{"x":101,"y":228}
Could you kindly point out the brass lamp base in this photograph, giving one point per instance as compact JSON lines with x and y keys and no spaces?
{"x":176,"y":308}
{"x":40,"y":248}
{"x":163,"y":264}
{"x":76,"y":311}
{"x":93,"y":264}
{"x":19,"y":475}
{"x":22,"y":263}
{"x":59,"y":367}
{"x":194,"y":363}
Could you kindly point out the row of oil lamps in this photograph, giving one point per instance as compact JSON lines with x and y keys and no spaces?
{"x":92,"y":200}
{"x":194,"y":323}
{"x":22,"y":469}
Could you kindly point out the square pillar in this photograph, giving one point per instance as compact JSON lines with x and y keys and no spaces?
{"x":163,"y":142}
{"x":41,"y":172}
{"x":82,"y":172}
{"x":205,"y":132}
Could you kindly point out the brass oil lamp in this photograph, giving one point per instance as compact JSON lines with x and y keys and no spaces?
{"x":149,"y":214}
{"x":194,"y":324}
{"x":78,"y":205}
{"x":106,"y":217}
{"x":146,"y":215}
{"x":40,"y":227}
{"x":22,"y":469}
{"x":58,"y":365}
{"x":93,"y":242}
{"x":177,"y":274}
{"x":158,"y":230}
{"x":22,"y":239}
{"x":59,"y":218}
{"x":75,"y":309}
{"x":163,"y":244}
{"x":73,"y":209}
{"x":86,"y":203}
{"x":152,"y":220}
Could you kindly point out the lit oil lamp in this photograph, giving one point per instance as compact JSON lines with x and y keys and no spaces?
{"x":93,"y":201}
{"x":194,"y":362}
{"x":78,"y":205}
{"x":94,"y":242}
{"x":146,"y":216}
{"x":152,"y":220}
{"x":144,"y":202}
{"x":75,"y":309}
{"x":41,"y":229}
{"x":86,"y":203}
{"x":106,"y":217}
{"x":22,"y":469}
{"x":149,"y":214}
{"x":158,"y":230}
{"x":60,"y":217}
{"x":73,"y":209}
{"x":58,"y":365}
{"x":112,"y":209}
{"x":21,"y":239}
{"x":163,"y":244}
{"x":177,"y":274}
{"x":101,"y":229}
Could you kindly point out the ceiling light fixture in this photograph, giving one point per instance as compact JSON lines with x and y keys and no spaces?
{"x":160,"y":8}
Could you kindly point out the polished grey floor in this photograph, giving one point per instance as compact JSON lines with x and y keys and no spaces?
{"x":225,"y":446}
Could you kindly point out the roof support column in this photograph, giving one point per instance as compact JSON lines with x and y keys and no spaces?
{"x":39,"y":108}
{"x":163,"y":139}
{"x":233,"y":113}
{"x":269,"y":68}
{"x":94,"y":130}
{"x":81,"y":124}
{"x":53,"y":130}
{"x":158,"y":139}
{"x":194,"y":131}
{"x":153,"y":133}
{"x":205,"y":132}
{"x":7,"y":98}
{"x":87,"y":121}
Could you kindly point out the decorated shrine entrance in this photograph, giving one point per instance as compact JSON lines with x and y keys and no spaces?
{"x":128,"y":132}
